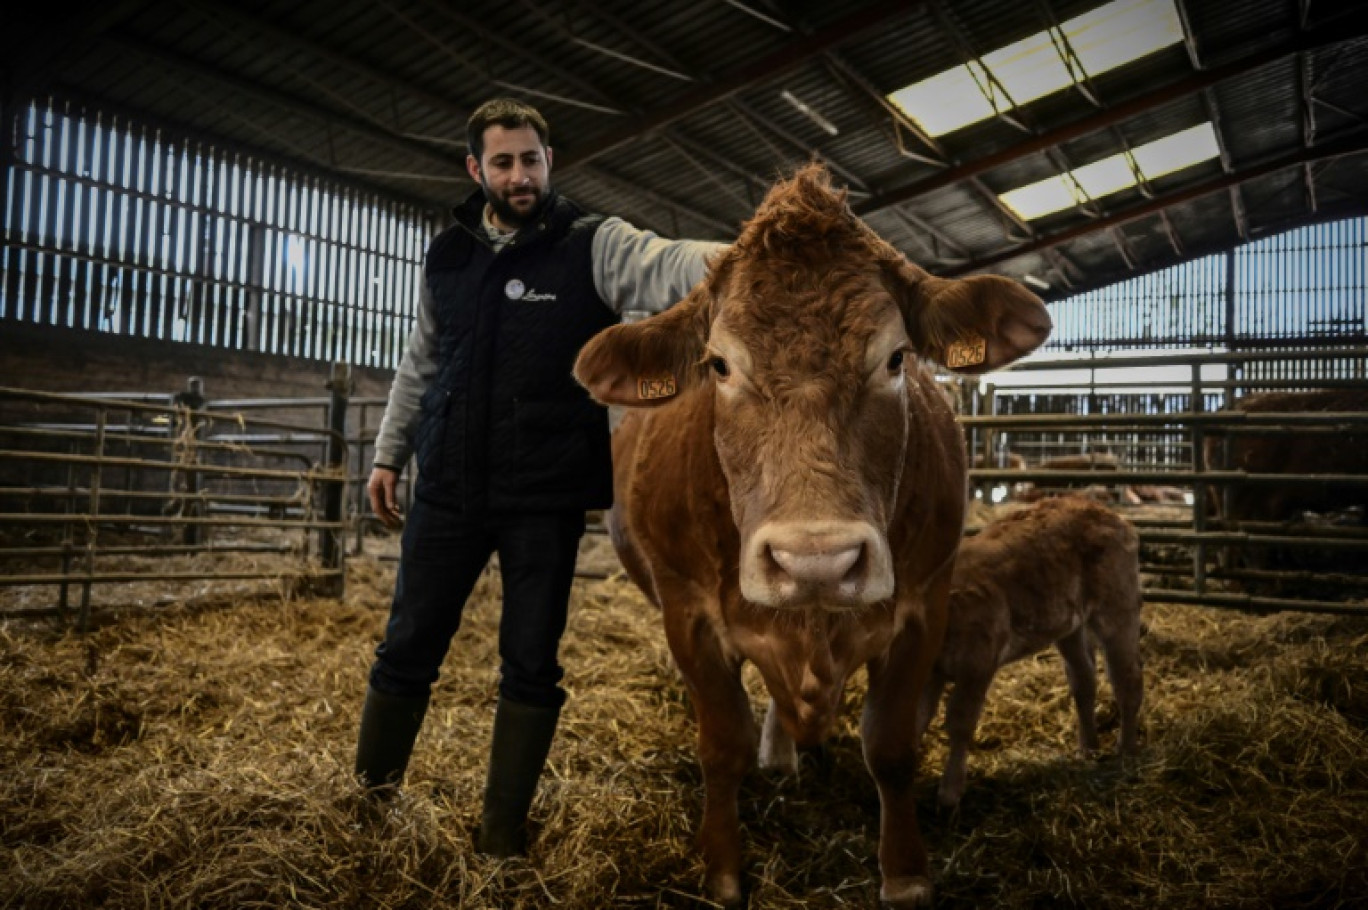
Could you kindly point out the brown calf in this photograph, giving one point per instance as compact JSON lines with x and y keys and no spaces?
{"x":791,"y":490}
{"x":1046,"y":575}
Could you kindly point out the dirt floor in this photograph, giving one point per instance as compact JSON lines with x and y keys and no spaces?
{"x":198,"y":754}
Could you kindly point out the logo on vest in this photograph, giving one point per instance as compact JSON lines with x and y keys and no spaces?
{"x":516,"y":290}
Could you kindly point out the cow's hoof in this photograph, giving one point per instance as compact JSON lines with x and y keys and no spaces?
{"x":726,"y":891}
{"x":906,"y":893}
{"x":949,"y":797}
{"x":780,"y":762}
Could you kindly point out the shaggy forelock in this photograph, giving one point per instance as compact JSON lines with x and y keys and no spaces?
{"x":796,"y":284}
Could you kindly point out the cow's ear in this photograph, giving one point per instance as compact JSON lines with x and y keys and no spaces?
{"x":971,"y":325}
{"x":648,"y":363}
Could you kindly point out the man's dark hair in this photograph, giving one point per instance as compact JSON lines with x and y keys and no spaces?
{"x":508,"y":113}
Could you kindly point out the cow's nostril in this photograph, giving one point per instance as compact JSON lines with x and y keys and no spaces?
{"x":857,"y":567}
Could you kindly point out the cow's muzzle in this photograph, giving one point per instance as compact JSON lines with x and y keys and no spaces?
{"x":830,"y":564}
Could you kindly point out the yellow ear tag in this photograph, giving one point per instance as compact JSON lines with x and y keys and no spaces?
{"x":966,"y":352}
{"x":651,"y":389}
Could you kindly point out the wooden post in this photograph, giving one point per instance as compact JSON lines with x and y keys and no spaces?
{"x":186,"y":446}
{"x":335,"y":481}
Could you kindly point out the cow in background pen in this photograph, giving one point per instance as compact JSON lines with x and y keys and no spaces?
{"x":1342,"y":450}
{"x":790,"y":490}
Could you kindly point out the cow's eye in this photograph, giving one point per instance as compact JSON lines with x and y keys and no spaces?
{"x":895,"y":363}
{"x":719,"y":366}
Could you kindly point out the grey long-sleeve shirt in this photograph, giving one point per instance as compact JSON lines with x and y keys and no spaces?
{"x":634,"y":270}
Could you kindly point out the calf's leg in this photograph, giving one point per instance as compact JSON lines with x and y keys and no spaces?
{"x":1121,"y":646}
{"x":962,"y":710}
{"x":929,"y":703}
{"x":1081,"y":670}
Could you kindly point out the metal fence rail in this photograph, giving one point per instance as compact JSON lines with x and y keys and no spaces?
{"x":96,"y":490}
{"x":1146,"y":434}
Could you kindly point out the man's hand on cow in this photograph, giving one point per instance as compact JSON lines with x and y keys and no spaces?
{"x":381,"y":488}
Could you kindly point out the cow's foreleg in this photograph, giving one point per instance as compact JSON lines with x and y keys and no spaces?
{"x":892,"y":751}
{"x":727,"y":747}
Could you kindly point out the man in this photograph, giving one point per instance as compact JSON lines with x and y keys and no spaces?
{"x":510,"y":451}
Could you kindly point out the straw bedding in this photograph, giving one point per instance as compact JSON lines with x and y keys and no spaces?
{"x":199,"y":755}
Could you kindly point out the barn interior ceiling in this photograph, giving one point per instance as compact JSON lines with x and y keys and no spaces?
{"x":1014,"y":136}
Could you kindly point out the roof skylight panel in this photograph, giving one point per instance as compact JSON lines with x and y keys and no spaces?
{"x":1115,"y":173}
{"x":1103,"y":39}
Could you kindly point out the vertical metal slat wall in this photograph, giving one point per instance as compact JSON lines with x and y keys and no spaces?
{"x":112,"y":226}
{"x":1304,"y":286}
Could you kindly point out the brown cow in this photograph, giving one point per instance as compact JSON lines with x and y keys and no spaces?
{"x":1088,"y":461}
{"x":1045,"y":575}
{"x":1136,"y":494}
{"x":1009,"y":461}
{"x":798,"y":499}
{"x":1282,"y":452}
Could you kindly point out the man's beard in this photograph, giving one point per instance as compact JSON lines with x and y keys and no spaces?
{"x":507,"y":214}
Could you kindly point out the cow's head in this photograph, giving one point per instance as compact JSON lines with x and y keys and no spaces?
{"x":807,"y":333}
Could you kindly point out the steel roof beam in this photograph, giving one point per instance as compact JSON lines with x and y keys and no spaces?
{"x":1123,"y":246}
{"x":872,"y":100}
{"x":766,"y":67}
{"x":566,"y":31}
{"x":1062,"y":266}
{"x":35,"y":49}
{"x":1343,"y":29}
{"x":709,"y":174}
{"x":1007,"y":217}
{"x":938,"y":238}
{"x":1237,"y":213}
{"x":601,"y":100}
{"x":1189,"y":36}
{"x":623,"y":27}
{"x":699,"y":150}
{"x":1171,"y":232}
{"x":285,"y":101}
{"x":217,"y":13}
{"x":1308,"y":124}
{"x":633,"y":187}
{"x":1349,"y":145}
{"x":796,"y":142}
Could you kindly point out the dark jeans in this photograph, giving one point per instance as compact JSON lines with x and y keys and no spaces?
{"x":442,"y":555}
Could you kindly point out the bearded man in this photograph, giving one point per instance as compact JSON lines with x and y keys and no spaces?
{"x":510,"y":451}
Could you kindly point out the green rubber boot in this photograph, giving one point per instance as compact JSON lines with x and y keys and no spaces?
{"x":522,"y":740}
{"x":389,"y":726}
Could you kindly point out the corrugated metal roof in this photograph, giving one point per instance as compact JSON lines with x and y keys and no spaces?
{"x":674,"y":115}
